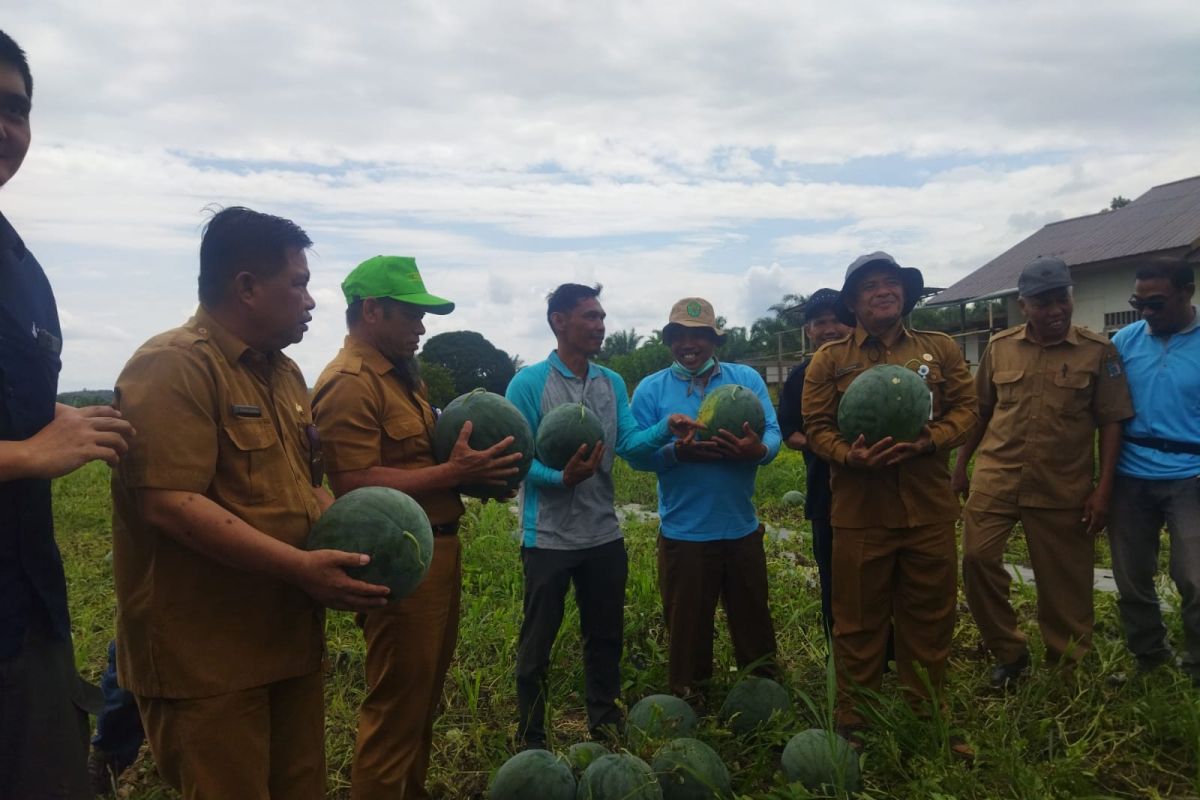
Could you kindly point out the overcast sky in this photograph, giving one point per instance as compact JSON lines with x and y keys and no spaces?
{"x":738,"y":151}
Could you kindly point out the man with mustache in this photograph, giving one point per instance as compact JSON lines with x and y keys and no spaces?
{"x":821,"y":326}
{"x":1158,"y":474}
{"x":376,"y":427}
{"x":220,"y":628}
{"x":710,"y":543}
{"x":1045,"y":388}
{"x":894,"y":555}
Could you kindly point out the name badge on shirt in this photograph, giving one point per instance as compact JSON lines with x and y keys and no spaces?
{"x":246,"y":410}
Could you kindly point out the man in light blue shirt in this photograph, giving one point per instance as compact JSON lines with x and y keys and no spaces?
{"x":710,"y":546}
{"x":1158,"y":475}
{"x":569,"y":529}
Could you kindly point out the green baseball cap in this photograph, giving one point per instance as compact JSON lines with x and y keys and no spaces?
{"x":395,"y":277}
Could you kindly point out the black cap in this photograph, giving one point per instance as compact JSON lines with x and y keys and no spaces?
{"x":1043,"y":275}
{"x":820,"y":300}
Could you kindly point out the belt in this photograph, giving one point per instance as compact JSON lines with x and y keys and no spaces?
{"x":445,"y":529}
{"x":1165,"y":445}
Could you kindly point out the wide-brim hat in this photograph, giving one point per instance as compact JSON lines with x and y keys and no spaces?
{"x":910,"y":277}
{"x":396,"y":277}
{"x":694,"y":312}
{"x":818,"y":301}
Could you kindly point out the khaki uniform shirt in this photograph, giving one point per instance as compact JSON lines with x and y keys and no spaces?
{"x":219,"y":419}
{"x":369,"y":418}
{"x":916,"y":492}
{"x":1043,"y":406}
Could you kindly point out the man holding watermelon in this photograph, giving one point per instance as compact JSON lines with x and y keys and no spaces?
{"x":376,"y":427}
{"x":1045,"y":389}
{"x":894,"y":514}
{"x":569,"y":529}
{"x":710,"y":544}
{"x":220,"y":629}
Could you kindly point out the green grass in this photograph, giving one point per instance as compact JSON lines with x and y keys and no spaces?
{"x":1058,"y":736}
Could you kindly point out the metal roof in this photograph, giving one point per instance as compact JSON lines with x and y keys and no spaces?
{"x":1165,"y":218}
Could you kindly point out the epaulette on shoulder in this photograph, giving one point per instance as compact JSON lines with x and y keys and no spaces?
{"x":1007,"y":332}
{"x":350,"y":364}
{"x":1088,"y":333}
{"x":183,"y":338}
{"x":932,"y":333}
{"x":834,"y":342}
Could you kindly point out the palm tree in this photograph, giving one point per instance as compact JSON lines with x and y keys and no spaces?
{"x":620,"y":343}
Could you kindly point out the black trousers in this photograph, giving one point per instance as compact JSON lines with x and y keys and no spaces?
{"x":599,"y":575}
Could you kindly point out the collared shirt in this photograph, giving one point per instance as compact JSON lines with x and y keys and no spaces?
{"x":31,"y":572}
{"x":916,"y":492}
{"x":702,"y":501}
{"x":369,"y":418}
{"x":1164,"y":379}
{"x":1043,"y":405}
{"x":558,"y":517}
{"x":217,"y":418}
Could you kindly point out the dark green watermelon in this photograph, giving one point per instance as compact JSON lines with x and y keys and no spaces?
{"x":619,"y":776}
{"x":820,"y":759}
{"x":492,"y":418}
{"x":660,"y":716}
{"x":688,"y":769}
{"x":533,"y":774}
{"x":728,"y":407}
{"x":752,"y":702}
{"x":387,"y":525}
{"x":886,"y":400}
{"x":581,"y":754}
{"x":794,"y":498}
{"x":563,"y":429}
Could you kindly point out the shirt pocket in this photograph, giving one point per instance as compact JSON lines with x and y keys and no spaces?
{"x":256,"y":463}
{"x":404,"y":440}
{"x":1008,"y":386}
{"x":1071,"y":392}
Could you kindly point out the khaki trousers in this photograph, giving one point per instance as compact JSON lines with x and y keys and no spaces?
{"x":1062,"y":553}
{"x":409,"y":647}
{"x":908,"y":576}
{"x":265,"y":743}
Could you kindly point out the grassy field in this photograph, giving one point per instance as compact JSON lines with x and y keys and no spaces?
{"x":1058,"y":736}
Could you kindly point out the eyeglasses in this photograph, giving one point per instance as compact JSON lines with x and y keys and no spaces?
{"x":1154,"y":304}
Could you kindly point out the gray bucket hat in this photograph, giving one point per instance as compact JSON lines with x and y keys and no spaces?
{"x":914,"y":284}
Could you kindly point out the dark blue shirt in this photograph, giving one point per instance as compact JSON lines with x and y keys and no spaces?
{"x":818,"y":502}
{"x":32,"y":585}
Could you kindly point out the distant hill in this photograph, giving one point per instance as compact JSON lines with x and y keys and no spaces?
{"x":87,"y":397}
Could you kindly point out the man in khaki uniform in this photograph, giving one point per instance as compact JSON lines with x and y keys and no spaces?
{"x":1044,"y":388}
{"x":220,"y":617}
{"x":894,"y":556}
{"x":376,"y":427}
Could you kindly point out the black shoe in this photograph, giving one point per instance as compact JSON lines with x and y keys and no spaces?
{"x":1006,"y":676}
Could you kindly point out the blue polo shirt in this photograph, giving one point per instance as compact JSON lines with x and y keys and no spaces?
{"x":32,"y":585}
{"x":1164,"y":382}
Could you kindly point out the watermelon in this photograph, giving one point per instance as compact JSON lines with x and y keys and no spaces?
{"x":727,"y":407}
{"x":387,"y":525}
{"x":688,"y":769}
{"x":492,"y":418}
{"x":886,"y":400}
{"x":819,"y":758}
{"x":619,"y":776}
{"x":582,"y":754}
{"x":794,"y":498}
{"x":563,"y":430}
{"x":533,"y":773}
{"x":660,"y":716}
{"x":752,"y":702}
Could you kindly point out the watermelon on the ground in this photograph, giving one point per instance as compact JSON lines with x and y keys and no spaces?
{"x":660,"y":716}
{"x":618,"y":776}
{"x":819,"y":758}
{"x":492,"y":418}
{"x":533,"y":773}
{"x":581,"y":754}
{"x":886,"y":400}
{"x":794,"y":498}
{"x":752,"y":702}
{"x":563,"y":429}
{"x":688,"y":769}
{"x":385,"y":524}
{"x":727,"y":407}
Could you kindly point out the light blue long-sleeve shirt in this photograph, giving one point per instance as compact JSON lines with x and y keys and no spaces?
{"x":558,"y":517}
{"x":707,"y":501}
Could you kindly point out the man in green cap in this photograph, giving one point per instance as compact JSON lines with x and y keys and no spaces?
{"x":376,"y":427}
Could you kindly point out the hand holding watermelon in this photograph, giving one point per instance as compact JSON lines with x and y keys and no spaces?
{"x":491,"y":466}
{"x":583,"y":464}
{"x":322,"y":575}
{"x":747,"y":447}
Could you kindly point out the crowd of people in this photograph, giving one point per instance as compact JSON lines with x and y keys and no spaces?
{"x":221,"y":457}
